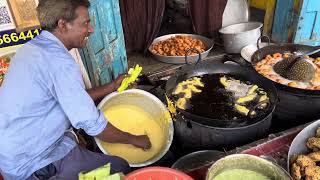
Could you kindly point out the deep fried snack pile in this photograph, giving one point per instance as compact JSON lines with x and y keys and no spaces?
{"x":178,"y":46}
{"x":305,"y":166}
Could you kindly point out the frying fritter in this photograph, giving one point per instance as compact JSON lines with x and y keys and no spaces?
{"x":313,"y":142}
{"x":171,"y":106}
{"x":296,"y":172}
{"x":312,"y":172}
{"x":187,"y":86}
{"x":247,"y":98}
{"x":194,"y":88}
{"x":304,"y":161}
{"x":179,"y":89}
{"x":185,"y":89}
{"x":252,"y":89}
{"x":224,"y":81}
{"x":187,"y":93}
{"x":182,"y":103}
{"x":242,"y":109}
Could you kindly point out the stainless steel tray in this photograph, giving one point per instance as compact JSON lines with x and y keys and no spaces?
{"x":181,"y":59}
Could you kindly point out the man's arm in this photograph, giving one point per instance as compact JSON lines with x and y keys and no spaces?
{"x":111,"y":134}
{"x":99,"y":92}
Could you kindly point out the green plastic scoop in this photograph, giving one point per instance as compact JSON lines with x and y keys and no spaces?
{"x":133,"y":75}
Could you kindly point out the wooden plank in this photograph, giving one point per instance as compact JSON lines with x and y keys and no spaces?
{"x":282,"y":22}
{"x":268,"y":17}
{"x":260,"y":4}
{"x":24,"y":14}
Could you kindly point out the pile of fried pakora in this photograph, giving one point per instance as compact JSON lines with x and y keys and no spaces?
{"x":305,"y":166}
{"x":178,"y":46}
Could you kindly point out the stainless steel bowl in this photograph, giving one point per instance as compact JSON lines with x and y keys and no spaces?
{"x":299,"y":143}
{"x":181,"y":59}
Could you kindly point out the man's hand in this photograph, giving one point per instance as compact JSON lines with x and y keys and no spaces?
{"x":117,"y":82}
{"x":99,"y":92}
{"x":142,"y":142}
{"x":111,"y":134}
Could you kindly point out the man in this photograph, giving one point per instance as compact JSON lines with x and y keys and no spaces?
{"x":43,"y":95}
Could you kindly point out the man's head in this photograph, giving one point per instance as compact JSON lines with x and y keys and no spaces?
{"x":67,"y":19}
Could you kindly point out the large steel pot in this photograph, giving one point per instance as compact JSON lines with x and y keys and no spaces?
{"x":237,"y":36}
{"x":295,"y":106}
{"x":195,"y":132}
{"x":247,"y":162}
{"x":156,"y":109}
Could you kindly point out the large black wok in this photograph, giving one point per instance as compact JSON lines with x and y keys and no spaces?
{"x":295,"y":106}
{"x":196,"y":132}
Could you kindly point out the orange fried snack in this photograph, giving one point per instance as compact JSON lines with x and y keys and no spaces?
{"x":277,"y":55}
{"x":178,"y":46}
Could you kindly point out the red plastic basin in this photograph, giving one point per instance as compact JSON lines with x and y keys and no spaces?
{"x":157,"y":173}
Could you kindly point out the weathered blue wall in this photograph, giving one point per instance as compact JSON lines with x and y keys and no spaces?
{"x":308,"y":29}
{"x":104,"y":55}
{"x":297,"y":21}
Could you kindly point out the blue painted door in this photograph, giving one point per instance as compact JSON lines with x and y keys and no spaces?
{"x":283,"y":26}
{"x":104,"y":55}
{"x":308,"y":29}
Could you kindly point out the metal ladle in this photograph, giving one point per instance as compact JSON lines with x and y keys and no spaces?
{"x":301,"y":56}
{"x":297,"y":57}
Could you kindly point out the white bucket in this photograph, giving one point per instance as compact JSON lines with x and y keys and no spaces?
{"x":152,"y":105}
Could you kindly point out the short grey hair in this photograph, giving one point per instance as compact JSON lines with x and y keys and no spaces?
{"x":51,"y":11}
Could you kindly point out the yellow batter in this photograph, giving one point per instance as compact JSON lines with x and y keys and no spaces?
{"x":136,"y":121}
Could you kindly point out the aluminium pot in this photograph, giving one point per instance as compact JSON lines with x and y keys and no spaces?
{"x":237,"y":36}
{"x":194,"y":132}
{"x":156,"y":109}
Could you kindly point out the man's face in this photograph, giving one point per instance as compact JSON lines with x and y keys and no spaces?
{"x":79,"y":29}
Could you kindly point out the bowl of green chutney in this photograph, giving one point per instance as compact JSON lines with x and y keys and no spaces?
{"x":246,"y":167}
